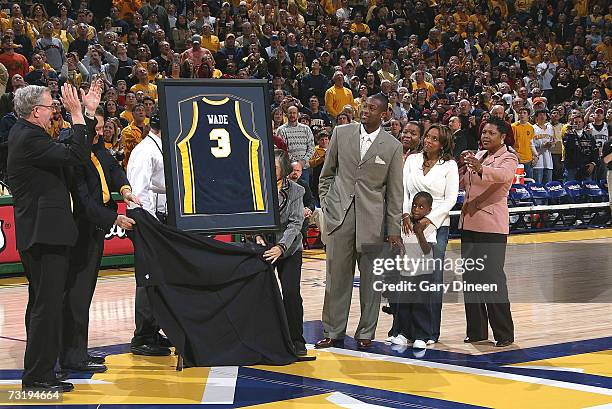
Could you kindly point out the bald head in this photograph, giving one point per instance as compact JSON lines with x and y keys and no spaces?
{"x":498,"y":111}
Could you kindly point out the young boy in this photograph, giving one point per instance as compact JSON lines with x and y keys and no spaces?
{"x":424,"y":236}
{"x":412,"y":319}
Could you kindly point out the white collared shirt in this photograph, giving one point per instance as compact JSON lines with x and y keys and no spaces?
{"x":145,"y":171}
{"x":366,"y":139}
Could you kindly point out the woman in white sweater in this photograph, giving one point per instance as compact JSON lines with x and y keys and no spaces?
{"x":433,"y":171}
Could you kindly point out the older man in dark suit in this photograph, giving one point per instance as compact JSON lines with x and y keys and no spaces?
{"x":95,"y":213}
{"x":44,"y":224}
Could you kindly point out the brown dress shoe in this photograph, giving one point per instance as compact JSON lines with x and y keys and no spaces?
{"x":364,"y":343}
{"x":327,"y":343}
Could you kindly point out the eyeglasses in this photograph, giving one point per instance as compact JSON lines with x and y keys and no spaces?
{"x":44,"y":106}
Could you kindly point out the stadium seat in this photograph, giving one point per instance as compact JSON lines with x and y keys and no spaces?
{"x":574,"y":191}
{"x":603,"y":183}
{"x":520,"y":196}
{"x":538,"y":192}
{"x":461,"y":196}
{"x":460,"y":200}
{"x":594,"y":192}
{"x":556,"y":193}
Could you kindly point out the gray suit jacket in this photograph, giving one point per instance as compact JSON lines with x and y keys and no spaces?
{"x":374,"y":183}
{"x":290,"y":200}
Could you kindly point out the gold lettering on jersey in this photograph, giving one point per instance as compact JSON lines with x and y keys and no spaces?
{"x":217,"y":119}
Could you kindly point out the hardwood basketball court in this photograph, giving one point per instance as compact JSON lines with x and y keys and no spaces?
{"x":562,"y":357}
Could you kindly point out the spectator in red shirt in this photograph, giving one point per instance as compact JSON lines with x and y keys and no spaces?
{"x":14,"y":62}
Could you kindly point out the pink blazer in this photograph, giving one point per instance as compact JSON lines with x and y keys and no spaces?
{"x":485,"y":207}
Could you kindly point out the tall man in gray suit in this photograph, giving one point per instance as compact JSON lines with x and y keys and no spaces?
{"x":361,"y":193}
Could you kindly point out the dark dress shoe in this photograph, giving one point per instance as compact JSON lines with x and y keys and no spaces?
{"x":327,"y":343}
{"x":469,"y":340}
{"x":501,"y":344}
{"x":53,"y":386}
{"x":149,"y":350}
{"x":96,"y":359}
{"x":88,"y":366}
{"x":387,"y":309}
{"x":163,"y":341}
{"x":62,"y":375}
{"x":300,"y":349}
{"x":364,"y":343}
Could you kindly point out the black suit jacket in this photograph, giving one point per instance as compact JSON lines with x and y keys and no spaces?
{"x":89,"y":205}
{"x":39,"y":186}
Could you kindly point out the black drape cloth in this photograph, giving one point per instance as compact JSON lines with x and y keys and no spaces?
{"x":218,"y":303}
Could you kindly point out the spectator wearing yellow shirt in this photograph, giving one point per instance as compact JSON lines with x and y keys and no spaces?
{"x":132,"y":134}
{"x":127,"y":8}
{"x":532,"y":57}
{"x":502,"y":5}
{"x":420,"y":83}
{"x":26,"y":27}
{"x":553,"y":47}
{"x":65,"y":37}
{"x":359,"y":27}
{"x":386,"y":72}
{"x":480,"y":20}
{"x":209,"y":40}
{"x":337,"y":96}
{"x":461,"y":17}
{"x":581,"y":7}
{"x":143,"y":84}
{"x":605,"y":47}
{"x":523,"y":141}
{"x":57,"y":123}
{"x":153,"y":71}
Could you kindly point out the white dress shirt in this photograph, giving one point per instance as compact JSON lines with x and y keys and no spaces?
{"x":366,"y":139}
{"x":145,"y":171}
{"x":442,"y":182}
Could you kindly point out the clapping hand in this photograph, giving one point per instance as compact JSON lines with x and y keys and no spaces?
{"x":91,"y":100}
{"x":473,"y":163}
{"x":70,"y":100}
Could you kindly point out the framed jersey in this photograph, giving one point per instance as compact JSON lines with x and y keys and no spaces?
{"x":218,"y":155}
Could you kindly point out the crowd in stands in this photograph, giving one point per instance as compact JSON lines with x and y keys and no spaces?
{"x":544,"y":66}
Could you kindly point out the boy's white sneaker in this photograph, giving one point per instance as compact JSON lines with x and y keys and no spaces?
{"x":419,"y":344}
{"x":400,"y":340}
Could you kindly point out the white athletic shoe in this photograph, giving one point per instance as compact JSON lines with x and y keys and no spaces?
{"x":430,"y":342}
{"x":400,"y":340}
{"x":399,"y":348}
{"x":419,"y":344}
{"x":389,"y":340}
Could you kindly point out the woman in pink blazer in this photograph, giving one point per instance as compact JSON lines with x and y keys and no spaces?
{"x":486,"y":178}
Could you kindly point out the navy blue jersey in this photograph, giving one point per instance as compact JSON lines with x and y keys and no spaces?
{"x":220,"y":161}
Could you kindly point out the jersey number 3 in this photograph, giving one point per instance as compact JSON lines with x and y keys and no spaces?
{"x":223,"y":148}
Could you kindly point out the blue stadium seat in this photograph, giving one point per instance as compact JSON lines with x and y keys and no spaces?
{"x":556,"y":193}
{"x":594,"y":192}
{"x":539,"y":194}
{"x":603,"y":183}
{"x":520,"y":196}
{"x":574,"y":191}
{"x":461,"y":197}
